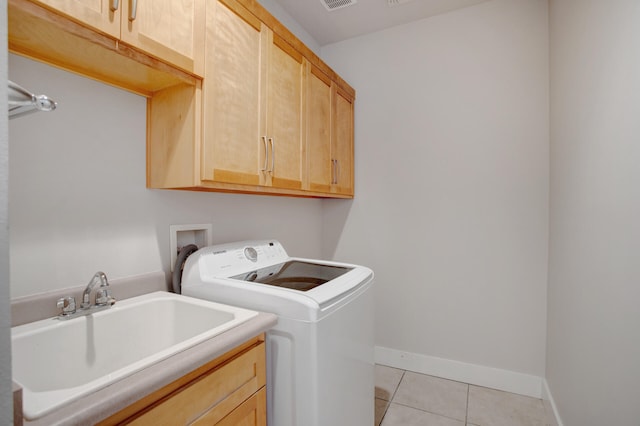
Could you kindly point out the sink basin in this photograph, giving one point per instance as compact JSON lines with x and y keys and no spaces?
{"x":57,"y":362}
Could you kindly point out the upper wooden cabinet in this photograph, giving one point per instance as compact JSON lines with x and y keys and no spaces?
{"x":329,"y":136}
{"x":319,"y":118}
{"x":283,"y":107}
{"x":232,"y":125}
{"x":252,"y":112}
{"x":269,"y":115}
{"x":103,"y":15}
{"x":342,"y":143}
{"x":172,"y":30}
{"x":169,"y":30}
{"x":236,"y":102}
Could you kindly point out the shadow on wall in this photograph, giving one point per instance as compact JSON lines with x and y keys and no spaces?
{"x":335,"y":216}
{"x":295,"y":222}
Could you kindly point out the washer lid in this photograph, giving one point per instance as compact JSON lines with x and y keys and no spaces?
{"x":295,"y":274}
{"x":229,"y":273}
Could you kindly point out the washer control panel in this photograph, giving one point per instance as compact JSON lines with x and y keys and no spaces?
{"x":251,"y":254}
{"x":226,"y":259}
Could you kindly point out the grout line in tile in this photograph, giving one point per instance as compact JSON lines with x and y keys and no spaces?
{"x":427,"y":411}
{"x":466,"y":420}
{"x":466,"y":411}
{"x":385,"y":413}
{"x":391,"y":398}
{"x":398,"y":385}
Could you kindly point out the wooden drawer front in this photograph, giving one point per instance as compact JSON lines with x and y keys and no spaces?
{"x":252,"y":412}
{"x":215,"y":393}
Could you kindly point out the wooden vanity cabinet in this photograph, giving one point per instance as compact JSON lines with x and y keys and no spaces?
{"x":171,"y":31}
{"x":229,"y":390}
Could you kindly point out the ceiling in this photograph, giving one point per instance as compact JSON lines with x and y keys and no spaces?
{"x":363,"y":17}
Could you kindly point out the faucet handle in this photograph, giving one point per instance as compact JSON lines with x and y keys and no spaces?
{"x":103,"y":297}
{"x":67,"y":304}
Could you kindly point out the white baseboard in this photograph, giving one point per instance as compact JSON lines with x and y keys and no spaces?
{"x":550,"y":404}
{"x":495,"y":378}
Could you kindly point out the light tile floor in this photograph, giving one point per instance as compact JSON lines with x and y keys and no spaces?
{"x":404,"y":398}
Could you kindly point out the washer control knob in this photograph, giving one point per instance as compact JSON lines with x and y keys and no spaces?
{"x":251,"y":254}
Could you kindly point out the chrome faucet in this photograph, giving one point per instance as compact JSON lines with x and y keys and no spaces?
{"x":103,"y":295}
{"x":103,"y":299}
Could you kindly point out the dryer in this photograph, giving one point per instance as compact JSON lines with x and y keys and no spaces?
{"x":320,"y":353}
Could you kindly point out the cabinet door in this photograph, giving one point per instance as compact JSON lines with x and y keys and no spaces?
{"x":172,"y":30}
{"x":342,"y":144}
{"x":212,"y":397}
{"x":319,"y":164}
{"x":232,"y":147}
{"x":102,"y":15}
{"x":284,"y":114}
{"x":252,"y":412}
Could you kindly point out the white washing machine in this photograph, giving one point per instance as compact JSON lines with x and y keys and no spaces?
{"x":320,"y":353}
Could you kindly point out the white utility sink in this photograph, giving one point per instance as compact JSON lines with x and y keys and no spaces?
{"x":57,"y":361}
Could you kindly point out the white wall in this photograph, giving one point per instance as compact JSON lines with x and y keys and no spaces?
{"x":77,"y":195}
{"x":452,"y":183}
{"x":593,"y":352}
{"x":6,"y":398}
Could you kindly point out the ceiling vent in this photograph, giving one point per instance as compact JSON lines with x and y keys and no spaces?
{"x":337,"y":4}
{"x":393,"y":3}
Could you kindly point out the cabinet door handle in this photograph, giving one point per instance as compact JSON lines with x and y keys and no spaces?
{"x":333,"y":171}
{"x":266,"y":154}
{"x":273,"y":155}
{"x":114,"y":5}
{"x":133,"y":10}
{"x":337,"y":171}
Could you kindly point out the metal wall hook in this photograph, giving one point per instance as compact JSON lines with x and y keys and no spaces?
{"x":22,"y":102}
